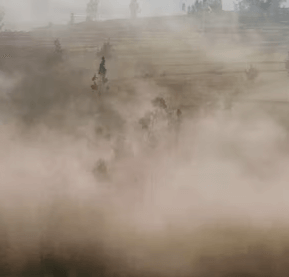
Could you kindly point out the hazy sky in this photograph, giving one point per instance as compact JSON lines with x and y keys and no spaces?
{"x":59,"y":11}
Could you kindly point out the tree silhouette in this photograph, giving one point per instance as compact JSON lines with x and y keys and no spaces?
{"x":91,"y":10}
{"x":2,"y":15}
{"x":264,"y":5}
{"x":58,"y":49}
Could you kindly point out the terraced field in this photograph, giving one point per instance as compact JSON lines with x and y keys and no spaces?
{"x":183,"y":35}
{"x":176,"y":53}
{"x":85,"y":193}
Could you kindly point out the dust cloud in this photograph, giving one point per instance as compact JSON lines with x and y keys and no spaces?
{"x":86,"y":191}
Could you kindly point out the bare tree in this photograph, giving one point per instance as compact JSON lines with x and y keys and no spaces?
{"x":91,"y":10}
{"x":2,"y":15}
{"x":58,"y":49}
{"x":206,"y":5}
{"x":266,"y":6}
{"x":251,"y":73}
{"x":134,"y":8}
{"x":105,"y":51}
{"x":215,"y":5}
{"x":72,"y":17}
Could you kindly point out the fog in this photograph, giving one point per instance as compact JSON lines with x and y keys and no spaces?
{"x":206,"y":196}
{"x":23,"y":13}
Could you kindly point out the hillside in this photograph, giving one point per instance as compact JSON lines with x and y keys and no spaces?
{"x":117,"y":184}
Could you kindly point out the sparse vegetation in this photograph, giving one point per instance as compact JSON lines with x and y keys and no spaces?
{"x":105,"y":51}
{"x":102,"y":187}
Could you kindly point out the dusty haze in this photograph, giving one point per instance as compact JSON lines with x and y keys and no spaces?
{"x":22,"y":15}
{"x":210,"y":202}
